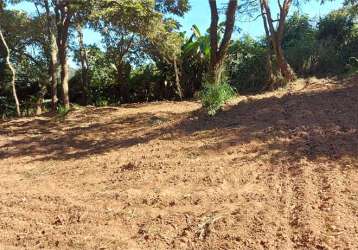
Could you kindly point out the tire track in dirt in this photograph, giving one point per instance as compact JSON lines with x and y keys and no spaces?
{"x":262,"y":222}
{"x":282,"y":201}
{"x":336,"y":215}
{"x":303,"y":215}
{"x":296,"y":192}
{"x":299,"y":183}
{"x":350,"y":193}
{"x":268,"y":224}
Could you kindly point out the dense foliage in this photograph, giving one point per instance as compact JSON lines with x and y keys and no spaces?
{"x":144,"y":56}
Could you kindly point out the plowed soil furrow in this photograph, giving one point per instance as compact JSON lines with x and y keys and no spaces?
{"x":304,"y":219}
{"x":284,"y":194}
{"x":272,"y":171}
{"x":336,"y":213}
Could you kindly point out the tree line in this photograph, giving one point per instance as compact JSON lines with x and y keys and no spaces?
{"x":144,"y":55}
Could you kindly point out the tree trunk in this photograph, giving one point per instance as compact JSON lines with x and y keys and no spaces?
{"x":123,"y":86}
{"x":13,"y":74}
{"x":177,"y":79}
{"x":218,"y":53}
{"x":40,"y":98}
{"x":63,"y":18}
{"x":216,"y":71}
{"x":53,"y":73}
{"x":64,"y":76}
{"x":213,"y":76}
{"x":282,"y":63}
{"x":84,"y":65}
{"x":52,"y":56}
{"x":270,"y":74}
{"x":276,"y":35}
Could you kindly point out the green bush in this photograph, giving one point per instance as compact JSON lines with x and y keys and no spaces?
{"x":213,"y":97}
{"x":337,"y":37}
{"x":329,"y":59}
{"x":299,"y":43}
{"x":246,"y":66}
{"x":101,"y":102}
{"x":62,"y":111}
{"x":7,"y":107}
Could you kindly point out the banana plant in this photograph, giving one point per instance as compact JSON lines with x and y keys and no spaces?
{"x":197,"y":46}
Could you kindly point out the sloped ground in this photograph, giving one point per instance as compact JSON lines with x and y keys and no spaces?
{"x":276,"y":171}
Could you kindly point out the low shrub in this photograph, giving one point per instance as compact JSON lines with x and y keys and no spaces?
{"x":214,"y":96}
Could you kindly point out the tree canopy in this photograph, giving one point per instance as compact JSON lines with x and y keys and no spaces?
{"x":144,"y":54}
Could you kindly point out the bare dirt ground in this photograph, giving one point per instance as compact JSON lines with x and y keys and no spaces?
{"x":273,"y":171}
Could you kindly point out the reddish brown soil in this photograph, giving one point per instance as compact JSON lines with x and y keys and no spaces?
{"x":274,"y":171}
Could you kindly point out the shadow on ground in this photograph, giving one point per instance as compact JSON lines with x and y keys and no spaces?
{"x":314,"y":124}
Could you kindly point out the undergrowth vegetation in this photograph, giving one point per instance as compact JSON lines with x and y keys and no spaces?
{"x":214,"y":96}
{"x":160,"y":62}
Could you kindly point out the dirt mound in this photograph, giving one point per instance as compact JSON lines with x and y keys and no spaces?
{"x":274,"y":171}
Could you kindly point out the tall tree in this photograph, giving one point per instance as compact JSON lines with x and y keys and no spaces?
{"x":52,"y":51}
{"x":270,"y":74}
{"x":131,"y":28}
{"x":164,"y":46}
{"x":13,"y":73}
{"x":219,"y":50}
{"x":46,"y":25}
{"x":64,"y":16}
{"x":124,"y":25}
{"x":9,"y":64}
{"x":275,"y":34}
{"x":82,"y":19}
{"x":84,"y":63}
